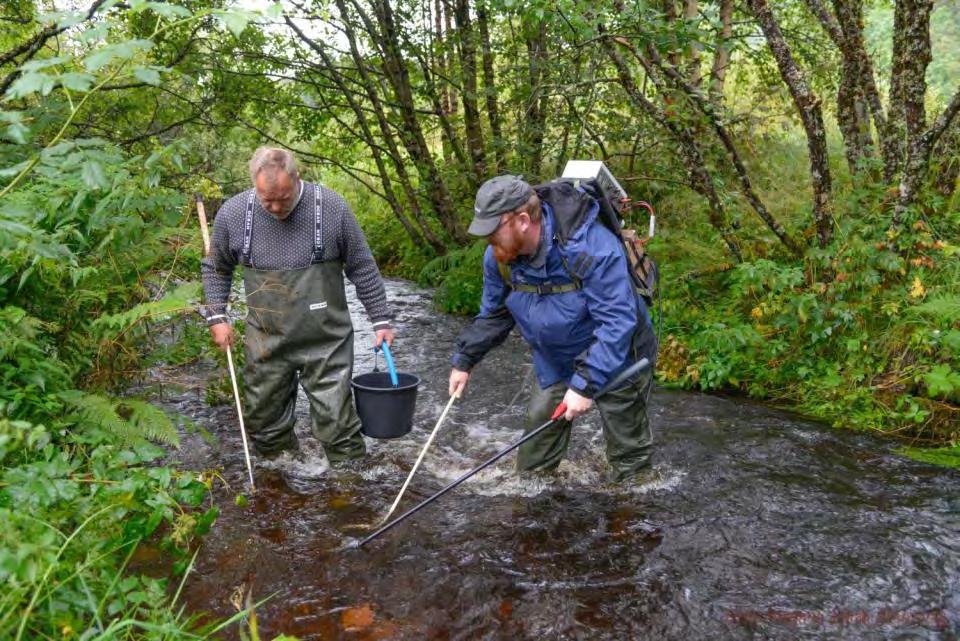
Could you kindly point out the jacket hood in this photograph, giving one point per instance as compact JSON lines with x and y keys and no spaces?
{"x":572,"y":208}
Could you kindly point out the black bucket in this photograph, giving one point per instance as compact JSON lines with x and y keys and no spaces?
{"x":385,"y":411}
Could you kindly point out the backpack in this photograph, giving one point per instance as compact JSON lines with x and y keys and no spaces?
{"x":642,"y":268}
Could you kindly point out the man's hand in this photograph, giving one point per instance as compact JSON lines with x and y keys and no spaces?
{"x":577,"y":405}
{"x":458,"y":382}
{"x":385,"y":335}
{"x":222,"y":334}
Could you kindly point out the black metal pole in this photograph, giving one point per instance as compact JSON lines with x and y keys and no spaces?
{"x":627,"y":374}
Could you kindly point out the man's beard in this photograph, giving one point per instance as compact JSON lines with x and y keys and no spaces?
{"x":507,"y":251}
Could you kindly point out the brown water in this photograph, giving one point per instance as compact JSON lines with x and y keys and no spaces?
{"x":757,"y":525}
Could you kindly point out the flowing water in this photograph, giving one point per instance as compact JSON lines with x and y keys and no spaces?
{"x":756,"y":524}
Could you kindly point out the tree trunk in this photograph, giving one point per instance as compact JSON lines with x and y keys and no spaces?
{"x":690,"y":13}
{"x":908,"y":90}
{"x":448,"y":50}
{"x":850,"y":112}
{"x":451,"y":143}
{"x":721,"y":57}
{"x":857,"y":68}
{"x":490,"y":90}
{"x":671,"y":15}
{"x":438,"y":51}
{"x":386,"y":130}
{"x":849,"y":15}
{"x":918,"y":158}
{"x":908,"y":87}
{"x":411,"y":133}
{"x":857,"y":93}
{"x":467,"y":49}
{"x":811,"y":115}
{"x":370,"y":141}
{"x":689,"y":152}
{"x":536,"y":112}
{"x":708,"y":110}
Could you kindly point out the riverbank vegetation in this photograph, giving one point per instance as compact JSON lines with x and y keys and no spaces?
{"x":802,"y":158}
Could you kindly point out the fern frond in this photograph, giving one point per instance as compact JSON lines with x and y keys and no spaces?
{"x":92,"y":411}
{"x":129,"y":420}
{"x":152,"y":422}
{"x":943,"y":309}
{"x":179,"y":300}
{"x":439,"y":268}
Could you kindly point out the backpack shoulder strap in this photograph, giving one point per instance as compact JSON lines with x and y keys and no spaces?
{"x":506,"y":274}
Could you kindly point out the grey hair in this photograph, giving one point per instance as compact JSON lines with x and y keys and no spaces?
{"x":271,"y":159}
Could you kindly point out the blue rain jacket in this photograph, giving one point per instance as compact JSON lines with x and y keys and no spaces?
{"x":583,"y":337}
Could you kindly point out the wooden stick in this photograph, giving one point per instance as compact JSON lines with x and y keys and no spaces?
{"x":202,"y":214}
{"x":243,"y":431}
{"x":419,"y":459}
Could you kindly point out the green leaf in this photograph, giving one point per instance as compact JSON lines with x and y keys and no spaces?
{"x":37,"y":65}
{"x":93,"y":176}
{"x":121,"y":50}
{"x":941,"y":381}
{"x":30,"y":83}
{"x":235,"y":21}
{"x":275,"y":11}
{"x":206,"y":520}
{"x":9,"y":172}
{"x":58,"y":149}
{"x":952,"y":340}
{"x":167,"y":10}
{"x":17,"y":131}
{"x":99,"y":58}
{"x":64,"y":19}
{"x":147,"y":75}
{"x":77,"y":81}
{"x":95,"y":34}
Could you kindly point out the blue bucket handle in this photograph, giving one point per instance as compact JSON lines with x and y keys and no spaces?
{"x":390,"y":366}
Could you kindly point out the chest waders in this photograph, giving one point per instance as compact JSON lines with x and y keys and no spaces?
{"x":623,"y":412}
{"x":299,"y":330}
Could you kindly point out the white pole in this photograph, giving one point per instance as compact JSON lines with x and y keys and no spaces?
{"x":202,"y":214}
{"x":436,"y":428}
{"x":243,"y":431}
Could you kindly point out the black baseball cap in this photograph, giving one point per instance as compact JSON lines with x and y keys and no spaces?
{"x":495,"y":198}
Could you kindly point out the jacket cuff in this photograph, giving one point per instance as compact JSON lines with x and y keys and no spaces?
{"x":383,"y":323}
{"x":461,"y":362}
{"x":582,"y":386}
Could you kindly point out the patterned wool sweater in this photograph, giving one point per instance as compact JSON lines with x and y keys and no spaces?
{"x":288,"y":244}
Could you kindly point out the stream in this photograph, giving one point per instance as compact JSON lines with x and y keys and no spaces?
{"x":756,"y":523}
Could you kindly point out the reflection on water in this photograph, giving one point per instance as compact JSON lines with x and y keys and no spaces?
{"x":755,"y":525}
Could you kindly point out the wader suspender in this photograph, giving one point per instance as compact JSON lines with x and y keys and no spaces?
{"x":317,"y":228}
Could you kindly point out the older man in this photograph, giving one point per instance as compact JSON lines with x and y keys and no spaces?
{"x":295,"y":241}
{"x":555,"y":271}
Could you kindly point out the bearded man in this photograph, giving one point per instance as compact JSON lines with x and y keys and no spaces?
{"x":556,"y":272}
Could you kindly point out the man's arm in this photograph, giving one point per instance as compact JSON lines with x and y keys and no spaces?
{"x":359,"y":266}
{"x":217,"y":271}
{"x":612,"y":303}
{"x":491,"y":326}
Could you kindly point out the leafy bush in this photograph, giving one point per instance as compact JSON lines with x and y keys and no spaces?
{"x":458,"y":278}
{"x":95,"y":254}
{"x":871,"y":344}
